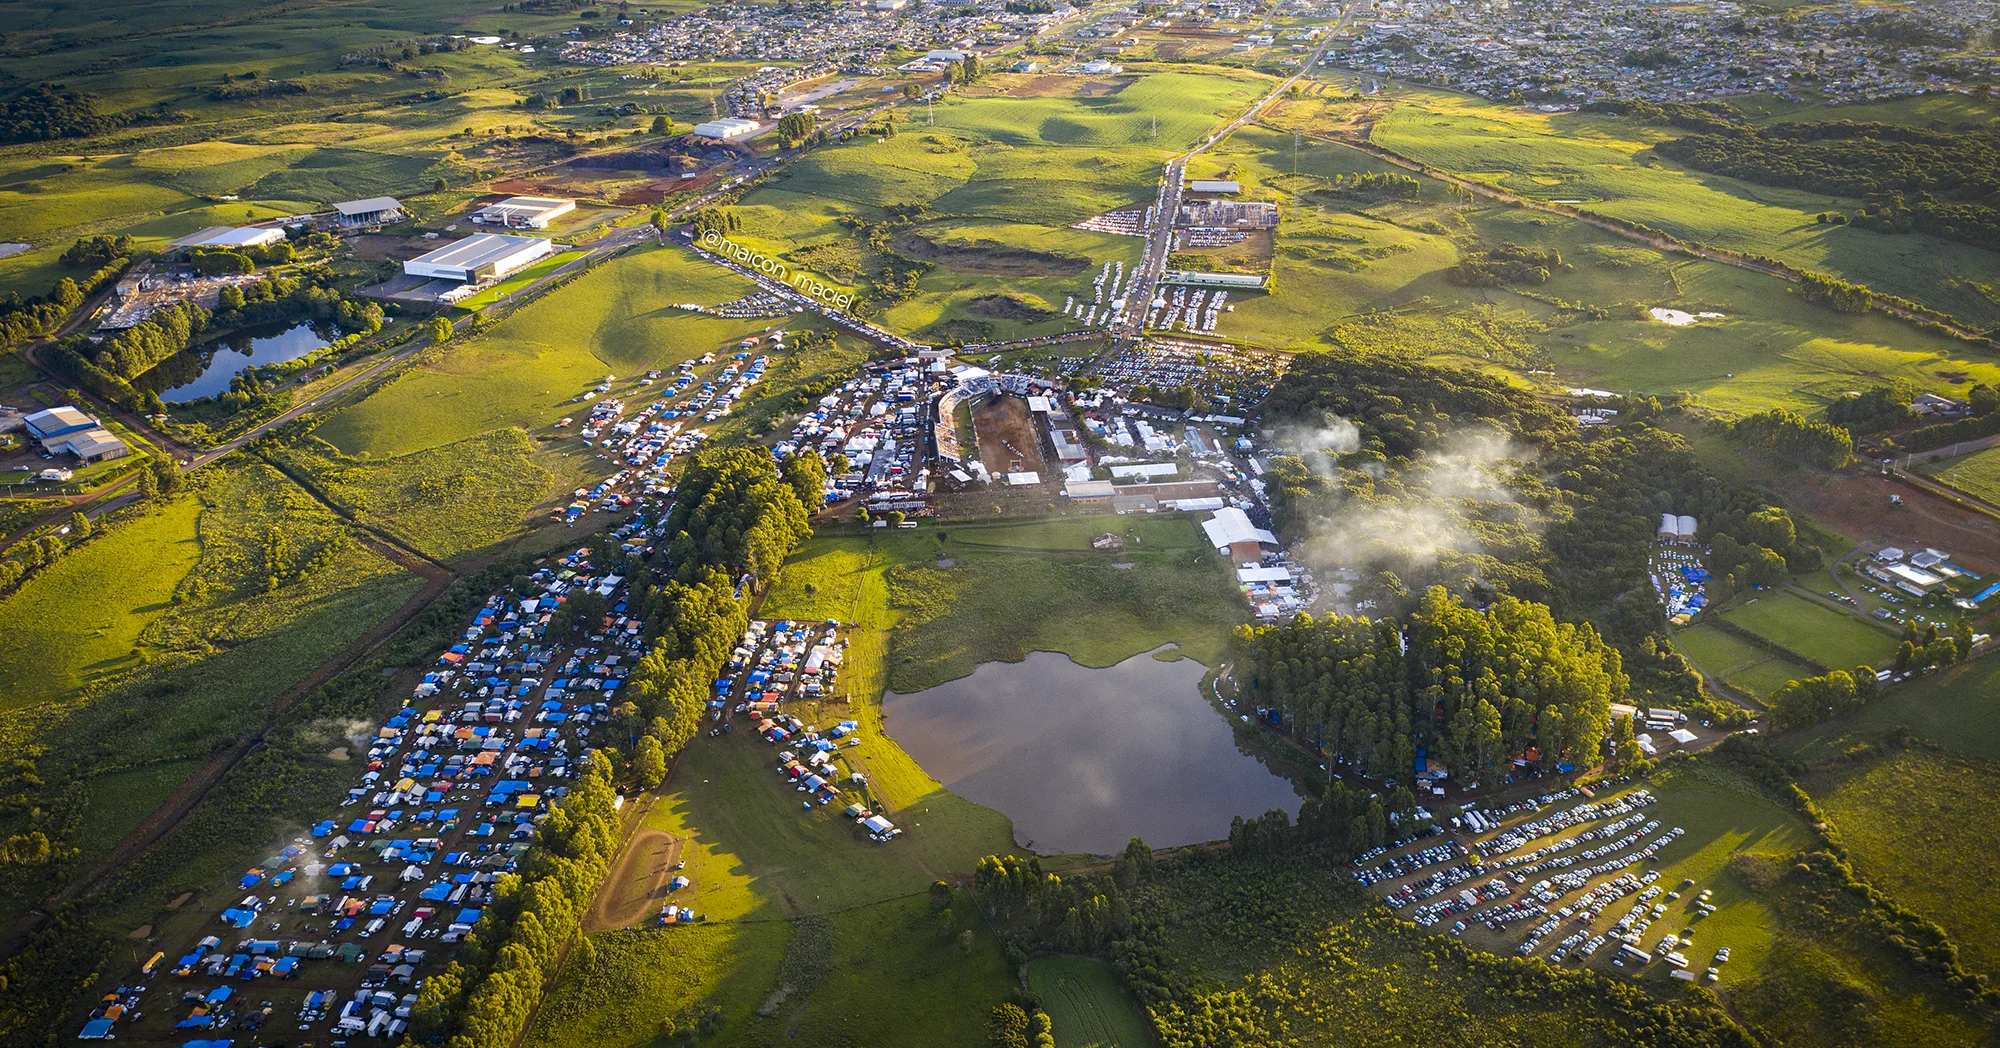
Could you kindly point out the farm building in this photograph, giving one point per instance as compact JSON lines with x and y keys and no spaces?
{"x":483,"y":256}
{"x":1213,"y":185}
{"x":524,"y":212}
{"x":727,"y":129}
{"x":361,"y":214}
{"x":1231,"y":532}
{"x":230,"y":236}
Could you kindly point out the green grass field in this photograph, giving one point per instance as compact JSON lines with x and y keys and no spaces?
{"x":81,"y":620}
{"x":1371,"y":274}
{"x":1958,"y":709}
{"x":520,"y":280}
{"x":1086,"y":1004}
{"x":1738,"y":662}
{"x":1916,"y":825}
{"x":1023,"y":586}
{"x":1977,"y":474}
{"x":1832,"y":638}
{"x":528,"y":370}
{"x":446,"y":502}
{"x":1606,"y":164}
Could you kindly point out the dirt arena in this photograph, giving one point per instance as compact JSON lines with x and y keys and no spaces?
{"x":638,"y":885}
{"x":1008,"y":440}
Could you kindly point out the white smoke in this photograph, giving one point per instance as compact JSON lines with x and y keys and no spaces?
{"x":1416,"y":526}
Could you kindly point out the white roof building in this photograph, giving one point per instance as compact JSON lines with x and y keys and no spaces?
{"x":1231,"y":526}
{"x":1214,"y":185}
{"x":727,"y":129}
{"x":370,"y":212}
{"x":482,"y":256}
{"x":231,"y":236}
{"x":531,"y":212}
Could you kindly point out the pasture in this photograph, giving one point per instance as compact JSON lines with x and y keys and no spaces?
{"x":1086,"y":1004}
{"x":1957,"y":708}
{"x":1798,"y":624}
{"x":529,"y":369}
{"x":1916,"y":825}
{"x":81,"y":620}
{"x":1373,"y":274}
{"x":446,"y":502}
{"x":1737,"y":662}
{"x":1606,"y":165}
{"x":1976,"y":474}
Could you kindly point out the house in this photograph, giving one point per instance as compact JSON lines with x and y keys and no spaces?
{"x":528,"y":212}
{"x":483,"y":256}
{"x":374,"y":211}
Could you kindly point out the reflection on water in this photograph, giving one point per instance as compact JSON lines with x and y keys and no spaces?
{"x":206,"y":373}
{"x":1083,"y":760}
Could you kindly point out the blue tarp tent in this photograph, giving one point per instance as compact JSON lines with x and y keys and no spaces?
{"x":435,"y":893}
{"x":469,"y":915}
{"x":95,"y":1030}
{"x":219,"y":995}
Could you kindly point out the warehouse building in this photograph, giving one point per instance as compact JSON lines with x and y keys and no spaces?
{"x":524,"y":212}
{"x":727,"y":129}
{"x":483,"y":256}
{"x":230,"y":237}
{"x":67,"y":431}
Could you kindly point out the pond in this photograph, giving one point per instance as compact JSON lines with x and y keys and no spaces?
{"x":206,"y":372}
{"x":1085,"y":759}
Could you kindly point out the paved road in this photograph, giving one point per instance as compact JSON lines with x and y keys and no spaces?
{"x":1159,"y":243}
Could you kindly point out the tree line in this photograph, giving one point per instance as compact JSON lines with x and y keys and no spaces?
{"x":732,"y":514}
{"x":1791,"y":434}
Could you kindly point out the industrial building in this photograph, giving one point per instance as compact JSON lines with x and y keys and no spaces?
{"x":68,"y":431}
{"x":482,"y":256}
{"x":1213,"y":185}
{"x":364,"y":214}
{"x":230,"y":237}
{"x":524,"y":212}
{"x":727,"y":129}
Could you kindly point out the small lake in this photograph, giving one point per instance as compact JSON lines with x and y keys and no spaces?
{"x":206,"y":372}
{"x":1083,"y":760}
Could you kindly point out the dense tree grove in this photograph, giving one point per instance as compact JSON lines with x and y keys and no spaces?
{"x":1472,"y":688}
{"x":1879,"y":407}
{"x":1795,"y":436}
{"x":1946,"y":183}
{"x":1507,"y":264}
{"x":1538,"y":508}
{"x":1835,"y":294}
{"x":167,"y":331}
{"x":732,"y":511}
{"x":49,"y":111}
